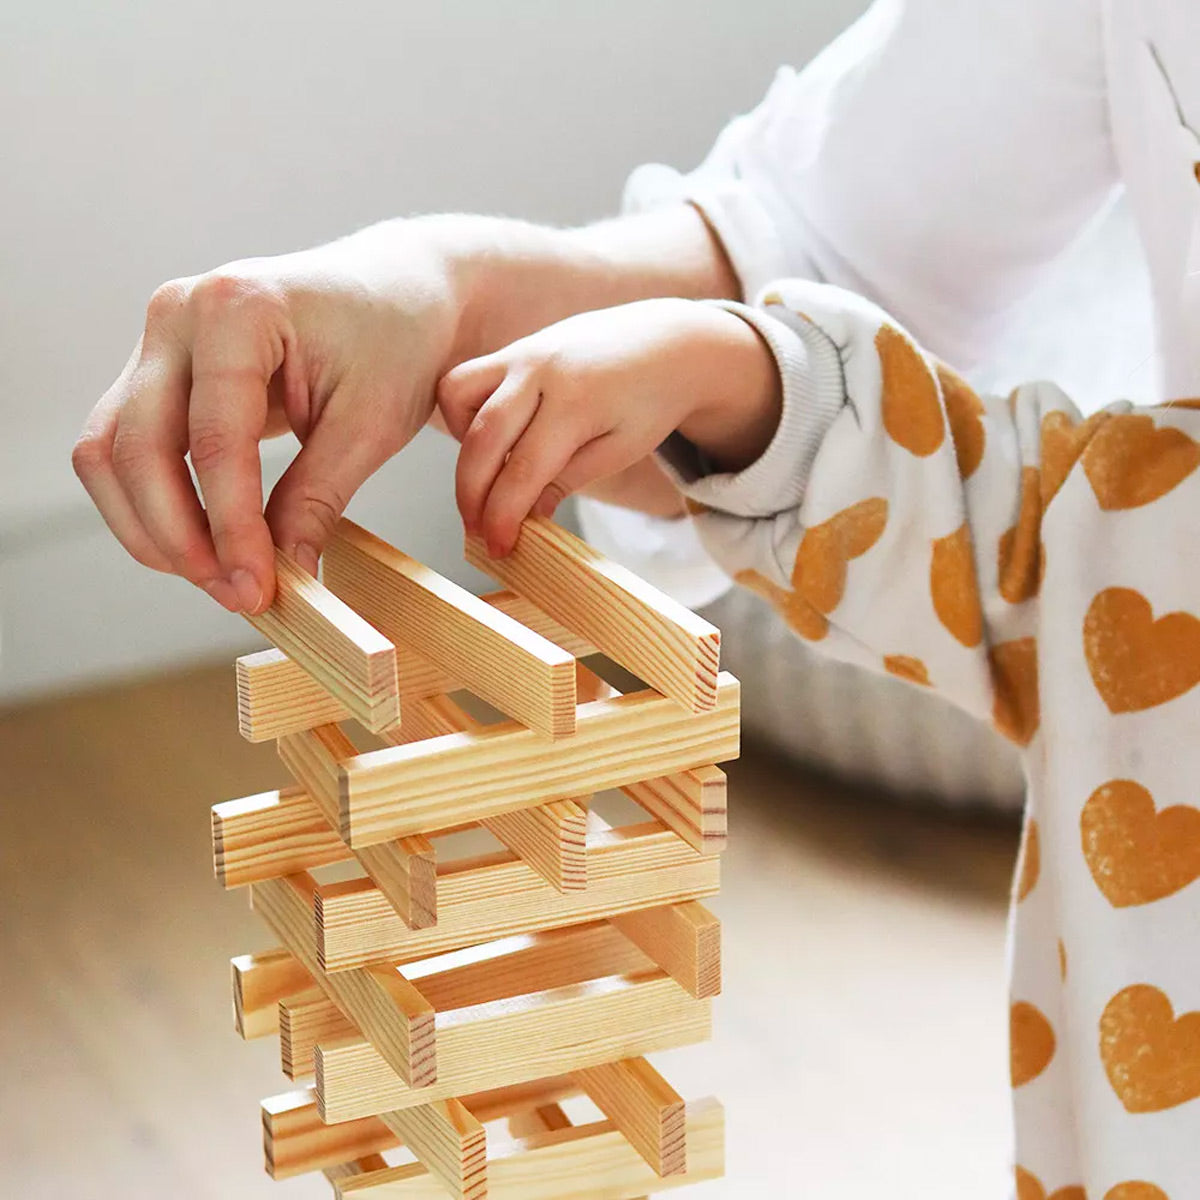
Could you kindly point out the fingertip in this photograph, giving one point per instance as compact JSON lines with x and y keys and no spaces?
{"x":223,"y":593}
{"x":306,"y":557}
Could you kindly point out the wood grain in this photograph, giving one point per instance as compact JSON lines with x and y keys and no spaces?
{"x":277,"y":696}
{"x":498,"y":895}
{"x":296,"y":1140}
{"x":693,"y":803}
{"x":343,"y":653}
{"x":470,"y":776}
{"x":585,"y":1162}
{"x":305,"y":1019}
{"x":683,"y":939}
{"x":259,"y":982}
{"x":379,"y":1000}
{"x":516,"y":1040}
{"x":635,"y":624}
{"x":644,"y":1107}
{"x":518,"y":671}
{"x":448,"y":1141}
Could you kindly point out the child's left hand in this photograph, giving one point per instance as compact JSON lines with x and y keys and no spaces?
{"x":590,"y":396}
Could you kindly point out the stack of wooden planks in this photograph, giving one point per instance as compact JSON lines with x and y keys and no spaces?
{"x":428,"y":999}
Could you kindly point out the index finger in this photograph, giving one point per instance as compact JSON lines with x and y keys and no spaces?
{"x":233,"y":359}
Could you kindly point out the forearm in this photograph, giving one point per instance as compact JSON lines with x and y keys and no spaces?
{"x":511,"y":278}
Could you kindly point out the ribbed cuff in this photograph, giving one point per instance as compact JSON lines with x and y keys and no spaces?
{"x":814,"y":392}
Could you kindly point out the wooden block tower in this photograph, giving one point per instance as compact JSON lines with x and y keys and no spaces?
{"x":429,"y":998}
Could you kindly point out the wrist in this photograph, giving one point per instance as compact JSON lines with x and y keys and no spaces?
{"x":734,"y":417}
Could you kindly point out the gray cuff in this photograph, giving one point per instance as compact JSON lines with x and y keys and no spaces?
{"x":814,"y":392}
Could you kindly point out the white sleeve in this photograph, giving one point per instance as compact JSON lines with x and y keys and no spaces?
{"x":934,"y":159}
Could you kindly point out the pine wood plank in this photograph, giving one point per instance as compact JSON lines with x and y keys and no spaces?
{"x":538,"y":1120}
{"x":296,"y":1140}
{"x":693,"y":803}
{"x":644,"y":1107}
{"x":635,"y":624}
{"x":271,"y":834}
{"x":448,"y":780}
{"x":448,"y":1141}
{"x":379,"y":1000}
{"x":404,"y":869}
{"x":585,"y":1162}
{"x":683,"y":939}
{"x":350,"y":659}
{"x":516,"y":1040}
{"x":480,"y":975}
{"x":551,"y":837}
{"x":305,"y":1019}
{"x":518,"y":671}
{"x":277,"y":696}
{"x":359,"y":1166}
{"x":260,"y":981}
{"x":496,"y":896}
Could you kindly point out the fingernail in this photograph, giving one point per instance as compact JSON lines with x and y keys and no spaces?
{"x":306,"y":556}
{"x":222,"y":593}
{"x":249,"y":590}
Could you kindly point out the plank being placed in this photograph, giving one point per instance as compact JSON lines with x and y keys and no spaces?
{"x":260,"y":981}
{"x":460,"y":777}
{"x":379,"y":1000}
{"x":693,"y":803}
{"x":498,"y":895}
{"x":277,"y":696}
{"x":644,"y":1107}
{"x":585,"y":1162}
{"x":449,"y":1142}
{"x":514,"y":669}
{"x":516,"y":1040}
{"x":632,"y":622}
{"x":351,"y":660}
{"x":404,"y":868}
{"x":683,"y":939}
{"x":296,"y":1140}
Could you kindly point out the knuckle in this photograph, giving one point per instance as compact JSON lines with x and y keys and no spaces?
{"x":219,"y":290}
{"x":89,"y":455}
{"x":166,"y":302}
{"x":209,"y":444}
{"x":130,"y":453}
{"x":521,"y":469}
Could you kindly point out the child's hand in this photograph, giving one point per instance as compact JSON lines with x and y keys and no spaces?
{"x":592,"y":395}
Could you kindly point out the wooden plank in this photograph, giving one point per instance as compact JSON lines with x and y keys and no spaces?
{"x":305,"y":1019}
{"x":480,"y":975}
{"x":260,"y":981}
{"x":379,"y":1000}
{"x":516,"y":1040}
{"x":551,"y":838}
{"x":296,"y":1140}
{"x":271,"y":834}
{"x":585,"y":1162}
{"x":518,"y":671}
{"x":360,"y":1166}
{"x":341,"y":651}
{"x":277,"y":696}
{"x":448,"y":780}
{"x":448,"y":1141}
{"x":644,"y":1107}
{"x":635,"y":624}
{"x":693,"y":803}
{"x":683,"y":939}
{"x":538,"y":1120}
{"x":496,"y":896}
{"x":404,"y":869}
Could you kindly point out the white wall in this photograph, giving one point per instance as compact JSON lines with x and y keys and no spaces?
{"x":142,"y":140}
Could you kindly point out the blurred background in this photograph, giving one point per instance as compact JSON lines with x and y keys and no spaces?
{"x":141,"y":141}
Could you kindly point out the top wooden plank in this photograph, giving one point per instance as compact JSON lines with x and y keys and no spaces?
{"x":647,"y":632}
{"x":518,"y":671}
{"x":354,"y":662}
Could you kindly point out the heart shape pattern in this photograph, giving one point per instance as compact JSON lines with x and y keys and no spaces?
{"x":1031,"y":860}
{"x":1062,"y":442}
{"x":819,"y":572}
{"x":1016,"y":705}
{"x":1029,"y":1187}
{"x":1151,"y":1057}
{"x":911,"y":405}
{"x":1031,"y":1043}
{"x":1136,"y":1189}
{"x":1132,"y":462}
{"x":954,"y":586}
{"x":1137,"y":855}
{"x":1137,"y":662}
{"x":799,"y":614}
{"x":964,"y":411}
{"x":1020,"y":558}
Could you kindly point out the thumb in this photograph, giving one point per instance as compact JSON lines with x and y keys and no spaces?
{"x":310,"y":497}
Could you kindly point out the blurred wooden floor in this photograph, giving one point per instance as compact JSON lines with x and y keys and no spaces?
{"x":860,"y":1048}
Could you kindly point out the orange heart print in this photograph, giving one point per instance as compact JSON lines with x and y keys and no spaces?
{"x":1031,"y":860}
{"x":1137,"y":662}
{"x":964,"y":411}
{"x":1016,"y":706}
{"x":954,"y":587}
{"x":911,"y":405}
{"x":819,"y":572}
{"x":1029,"y":1187}
{"x":1062,"y":443}
{"x":1137,"y":855}
{"x":1131,"y":462}
{"x":1019,"y":564}
{"x":1151,"y":1057}
{"x":1031,"y":1043}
